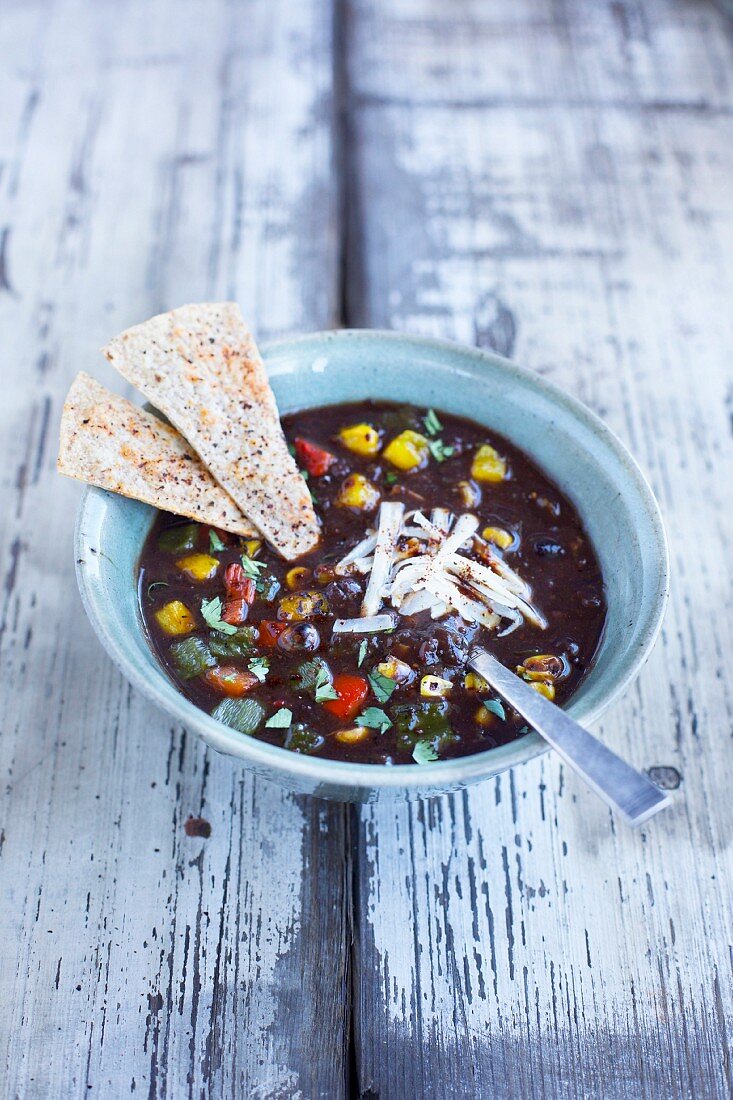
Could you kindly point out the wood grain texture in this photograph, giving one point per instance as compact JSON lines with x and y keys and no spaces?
{"x":554,"y":181}
{"x":138,"y":171}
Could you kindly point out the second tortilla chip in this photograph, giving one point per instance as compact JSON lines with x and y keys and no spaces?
{"x":200,"y":366}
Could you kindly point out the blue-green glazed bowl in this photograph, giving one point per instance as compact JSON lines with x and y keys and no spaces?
{"x":570,"y":443}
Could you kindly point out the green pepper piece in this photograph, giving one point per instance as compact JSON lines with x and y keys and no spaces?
{"x":176,"y":539}
{"x":268,"y":586}
{"x":244,"y":715}
{"x":239,"y":644}
{"x":300,"y":738}
{"x":414,"y":721}
{"x":191,"y":657}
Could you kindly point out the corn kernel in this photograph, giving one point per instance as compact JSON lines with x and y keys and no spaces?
{"x":362,"y":439}
{"x":352,"y":736}
{"x":175,"y":618}
{"x":469,"y":493}
{"x":545,"y":666}
{"x":296,"y":576}
{"x":488,"y":465}
{"x":302,"y":605}
{"x":435,"y":687}
{"x":200,"y":567}
{"x":473,"y":682}
{"x":544,"y":688}
{"x":396,"y":670}
{"x":252,"y":546}
{"x":408,"y":451}
{"x":357,"y":491}
{"x":484,"y":716}
{"x":499,"y":537}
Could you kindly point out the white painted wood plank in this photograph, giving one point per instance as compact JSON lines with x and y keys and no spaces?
{"x":555,"y":182}
{"x":138,"y":170}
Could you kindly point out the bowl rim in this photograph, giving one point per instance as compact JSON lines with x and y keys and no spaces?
{"x":322,"y":771}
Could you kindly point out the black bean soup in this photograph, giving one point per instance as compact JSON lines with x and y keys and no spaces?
{"x":250,"y":638}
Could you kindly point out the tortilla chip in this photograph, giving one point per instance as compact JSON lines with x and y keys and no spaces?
{"x":200,"y":366}
{"x":109,"y":442}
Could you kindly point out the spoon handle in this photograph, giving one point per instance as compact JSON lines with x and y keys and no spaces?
{"x":619,"y":785}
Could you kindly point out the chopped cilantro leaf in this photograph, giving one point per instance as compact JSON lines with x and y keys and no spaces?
{"x":362,"y":650}
{"x":259,"y":667}
{"x":211,"y":611}
{"x":496,"y":707}
{"x":215,"y":543}
{"x":439,"y":451}
{"x":324,"y":687}
{"x":280,"y":720}
{"x":424,"y":752}
{"x":390,"y":478}
{"x":431,"y":422}
{"x":375,"y":719}
{"x":381,"y":685}
{"x":251,"y":567}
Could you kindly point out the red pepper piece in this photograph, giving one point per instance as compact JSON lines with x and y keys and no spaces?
{"x":270,"y":631}
{"x":240,"y":593}
{"x":315,"y":459}
{"x":230,"y":680}
{"x":351,"y":691}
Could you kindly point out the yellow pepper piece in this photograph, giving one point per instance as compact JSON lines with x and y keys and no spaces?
{"x":302,"y":605}
{"x":251,"y":547}
{"x":408,"y":451}
{"x":435,"y":687}
{"x":296,"y":576}
{"x":395,"y":669}
{"x":198,"y":566}
{"x":352,"y":736}
{"x":488,"y":465}
{"x":501,"y":538}
{"x":362,"y":439}
{"x":357,"y":491}
{"x":175,"y":618}
{"x":484,"y":716}
{"x":473,"y":682}
{"x":543,"y":688}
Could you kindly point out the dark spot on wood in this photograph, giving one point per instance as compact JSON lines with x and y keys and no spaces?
{"x":665,"y":776}
{"x":197,"y":826}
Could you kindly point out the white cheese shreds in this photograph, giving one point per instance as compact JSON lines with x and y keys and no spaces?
{"x":362,"y":550}
{"x":390,"y":524}
{"x":372,"y":624}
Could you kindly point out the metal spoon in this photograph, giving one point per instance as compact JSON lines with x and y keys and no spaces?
{"x":619,"y":785}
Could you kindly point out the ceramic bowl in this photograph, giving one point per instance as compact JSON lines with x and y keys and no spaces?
{"x":579,"y":453}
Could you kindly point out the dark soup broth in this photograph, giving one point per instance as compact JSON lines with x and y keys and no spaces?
{"x":365,"y":659}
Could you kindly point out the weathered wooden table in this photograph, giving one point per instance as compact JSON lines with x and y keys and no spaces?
{"x":550,"y":178}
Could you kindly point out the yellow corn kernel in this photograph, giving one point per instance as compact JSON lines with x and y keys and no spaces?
{"x":488,"y":465}
{"x":435,"y":687}
{"x":484,"y":716}
{"x":542,"y":687}
{"x":408,"y":451}
{"x":302,"y":605}
{"x":296,"y":576}
{"x":545,"y":666}
{"x":473,"y":682}
{"x":252,"y":546}
{"x":469,"y":493}
{"x":362,"y":439}
{"x":357,"y":491}
{"x":175,"y":618}
{"x":396,"y":670}
{"x":499,"y":537}
{"x":199,"y":567}
{"x":352,"y":736}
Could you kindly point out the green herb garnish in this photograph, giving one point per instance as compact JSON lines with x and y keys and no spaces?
{"x":259,"y":667}
{"x":431,"y":422}
{"x":211,"y":611}
{"x":439,"y":451}
{"x":251,"y":567}
{"x":496,"y":707}
{"x":280,"y":720}
{"x":375,"y":719}
{"x":424,"y":753}
{"x":324,"y":687}
{"x":390,"y":478}
{"x":363,"y":645}
{"x":381,"y":685}
{"x":215,"y":543}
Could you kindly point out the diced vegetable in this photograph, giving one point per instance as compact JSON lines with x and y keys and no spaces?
{"x":473,"y":682}
{"x":297,"y":576}
{"x":238,"y":644}
{"x":315,"y":459}
{"x":240,"y":593}
{"x":351,"y":691}
{"x":177,"y":539}
{"x":199,"y":567}
{"x":252,"y":547}
{"x":544,"y":666}
{"x":484,"y":717}
{"x":230,"y":680}
{"x":352,"y":736}
{"x":244,"y":715}
{"x":175,"y":618}
{"x":396,"y":670}
{"x":192,"y":657}
{"x":542,"y":687}
{"x":424,"y":719}
{"x":270,"y":631}
{"x":308,"y":604}
{"x":310,"y":672}
{"x":488,"y":465}
{"x":469,"y":493}
{"x":498,"y":536}
{"x":357,"y":491}
{"x":362,"y":439}
{"x":435,"y":687}
{"x":302,"y":739}
{"x":267,"y":587}
{"x":408,"y":451}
